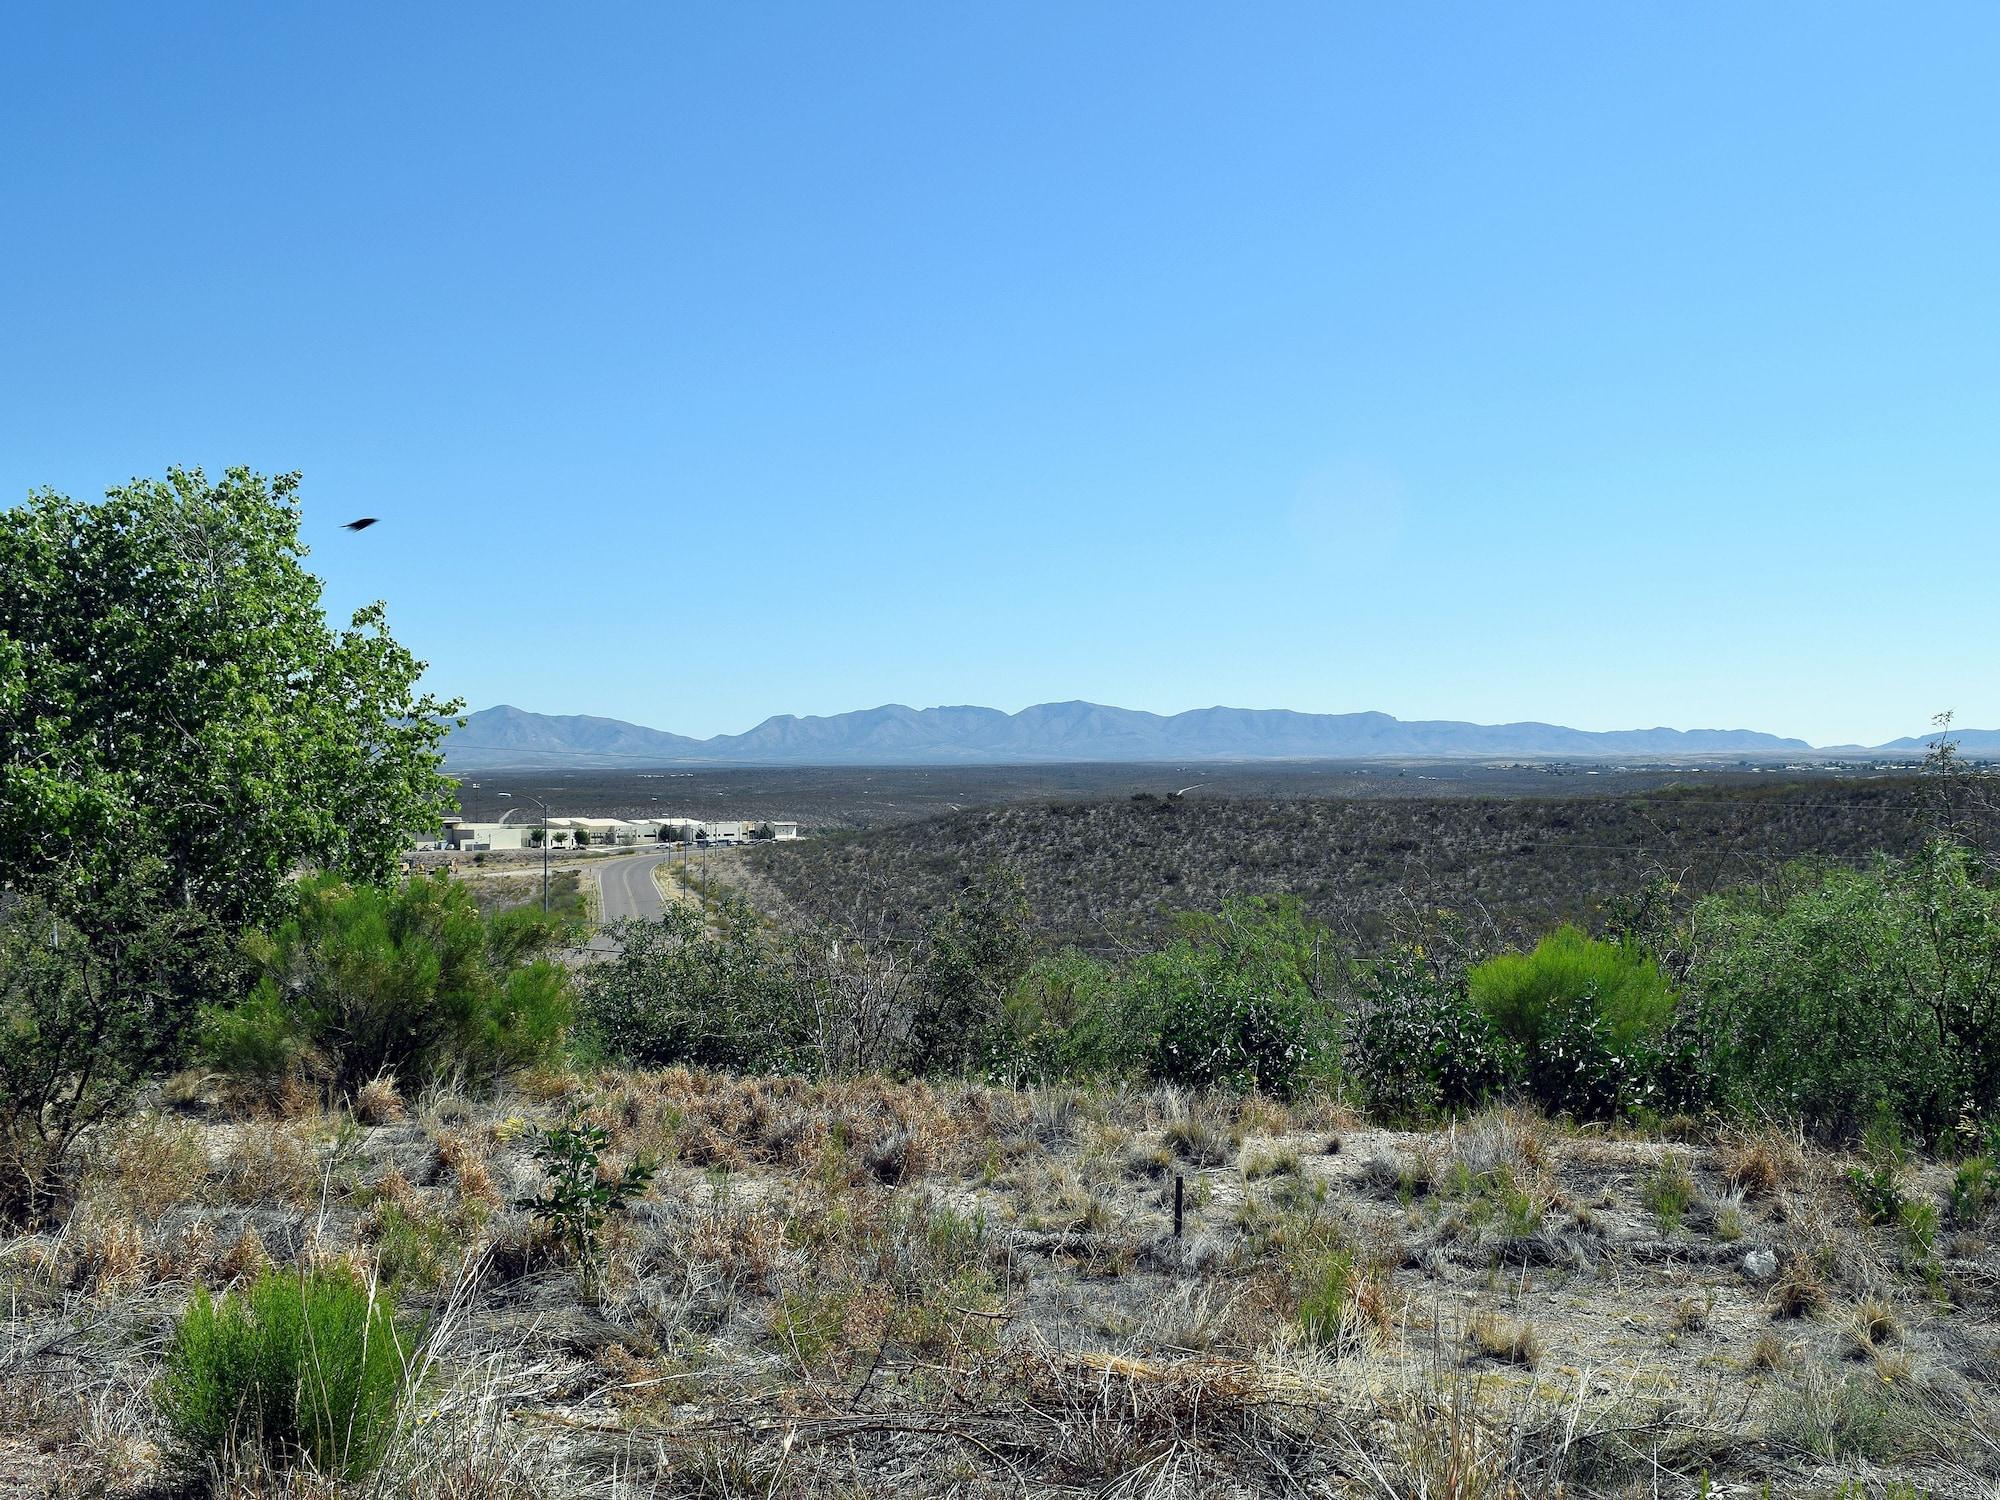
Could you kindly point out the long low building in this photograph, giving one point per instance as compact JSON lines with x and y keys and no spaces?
{"x":584,"y":832}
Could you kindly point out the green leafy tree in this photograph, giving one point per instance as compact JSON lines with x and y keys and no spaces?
{"x":167,"y":675}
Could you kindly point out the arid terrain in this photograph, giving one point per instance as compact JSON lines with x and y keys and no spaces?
{"x":1101,"y":873}
{"x":871,"y":1288}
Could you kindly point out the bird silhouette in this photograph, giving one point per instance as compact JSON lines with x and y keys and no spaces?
{"x":361,"y":525}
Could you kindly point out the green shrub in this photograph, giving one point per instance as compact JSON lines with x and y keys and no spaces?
{"x":1668,"y":1192}
{"x":709,"y":989}
{"x":1525,"y":995}
{"x":978,"y":947}
{"x":1973,"y":1189}
{"x":406,"y":979}
{"x":580,"y":1195}
{"x":88,"y":1015}
{"x":1843,"y":992}
{"x":1236,"y":1002}
{"x":1417,"y":1046}
{"x":306,"y":1367}
{"x":1326,"y":1298}
{"x":1065,"y":1018}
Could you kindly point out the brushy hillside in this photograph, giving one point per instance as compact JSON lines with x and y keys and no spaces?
{"x":869,"y":1288}
{"x":1103,"y":873}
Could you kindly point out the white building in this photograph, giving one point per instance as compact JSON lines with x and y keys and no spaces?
{"x":479,"y":837}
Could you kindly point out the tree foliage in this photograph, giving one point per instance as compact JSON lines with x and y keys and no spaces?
{"x":167,"y":679}
{"x":87,"y":1016}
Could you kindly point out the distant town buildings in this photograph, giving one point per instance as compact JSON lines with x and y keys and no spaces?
{"x":572,"y":833}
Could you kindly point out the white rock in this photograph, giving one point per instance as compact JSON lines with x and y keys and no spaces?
{"x":1760,"y":1265}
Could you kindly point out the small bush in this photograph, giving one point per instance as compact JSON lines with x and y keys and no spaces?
{"x":1974,"y":1187}
{"x":367,"y":980}
{"x":580,"y":1194}
{"x":304,"y":1368}
{"x":1522,"y":993}
{"x":1668,"y":1192}
{"x":1418,"y":1046}
{"x":87,"y":1017}
{"x":1504,"y":1339}
{"x":1843,"y":993}
{"x":1590,"y":1021}
{"x":1062,"y":1019}
{"x":1236,"y":1002}
{"x":706,"y":988}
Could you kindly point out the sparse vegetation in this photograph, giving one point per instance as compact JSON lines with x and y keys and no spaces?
{"x":1313,"y":1184}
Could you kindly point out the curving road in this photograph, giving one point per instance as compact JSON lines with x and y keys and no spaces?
{"x":626,"y":888}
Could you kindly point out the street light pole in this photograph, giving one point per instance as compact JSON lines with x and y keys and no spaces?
{"x":545,"y":843}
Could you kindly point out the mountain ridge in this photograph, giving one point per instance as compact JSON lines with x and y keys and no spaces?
{"x":1075,"y":730}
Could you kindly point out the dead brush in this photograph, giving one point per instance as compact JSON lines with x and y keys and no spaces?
{"x":741,"y":1242}
{"x":148,"y":1166}
{"x":1099,"y":1406}
{"x":104,"y":1256}
{"x":1759,"y":1162}
{"x":1260,"y":1114}
{"x":1438,"y":1443}
{"x":1503,"y":1339}
{"x":266,"y":1162}
{"x":244,"y":1258}
{"x":377,"y":1102}
{"x":1799,"y":1291}
{"x":187,"y":1255}
{"x":1510,"y":1137}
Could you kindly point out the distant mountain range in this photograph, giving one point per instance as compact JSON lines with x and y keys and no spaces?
{"x":896,"y":735}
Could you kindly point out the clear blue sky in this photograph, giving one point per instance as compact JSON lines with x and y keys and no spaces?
{"x":1606,"y":364}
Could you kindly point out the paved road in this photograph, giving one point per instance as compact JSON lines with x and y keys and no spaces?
{"x":627,"y":888}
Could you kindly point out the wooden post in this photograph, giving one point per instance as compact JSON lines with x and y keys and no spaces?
{"x":1180,"y":1191}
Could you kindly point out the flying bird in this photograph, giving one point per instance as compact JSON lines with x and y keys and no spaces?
{"x":361,"y":525}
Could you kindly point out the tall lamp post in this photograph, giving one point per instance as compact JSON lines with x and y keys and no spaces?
{"x":545,"y":841}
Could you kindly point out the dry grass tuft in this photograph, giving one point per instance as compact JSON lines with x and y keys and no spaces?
{"x":1769,"y":1352}
{"x":244,"y":1258}
{"x":1799,"y":1293}
{"x":266,"y":1161}
{"x":1758,"y":1162}
{"x":107,"y":1255}
{"x":149,"y":1166}
{"x":1871,"y":1324}
{"x":377,"y":1102}
{"x":1504,"y":1339}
